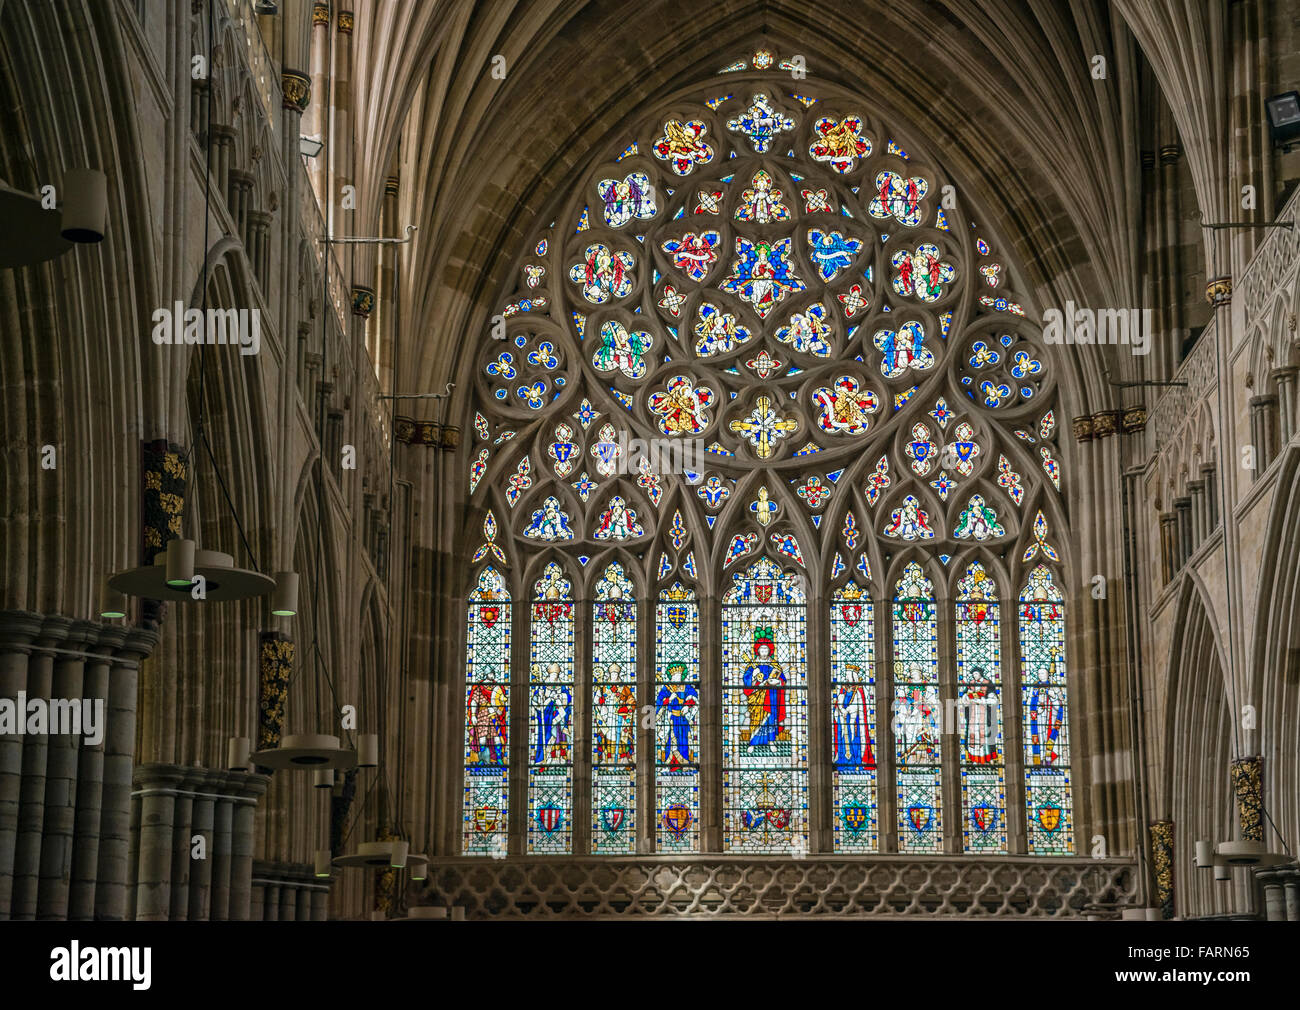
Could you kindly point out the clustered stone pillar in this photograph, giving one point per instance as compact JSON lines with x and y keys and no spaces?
{"x":1211,"y":497}
{"x":240,"y":201}
{"x":1196,"y":494}
{"x":65,"y":764}
{"x":1285,"y":379}
{"x":223,"y":139}
{"x":174,"y":806}
{"x":1183,"y":523}
{"x":259,"y":245}
{"x":288,"y":892}
{"x":1169,"y":545}
{"x":1263,"y":427}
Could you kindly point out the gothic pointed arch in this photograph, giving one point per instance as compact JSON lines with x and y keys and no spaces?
{"x":764,"y":356}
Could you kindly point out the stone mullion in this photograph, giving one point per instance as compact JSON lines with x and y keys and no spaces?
{"x":1183,"y":529}
{"x":1286,"y":403}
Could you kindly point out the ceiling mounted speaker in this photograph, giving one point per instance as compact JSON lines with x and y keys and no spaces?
{"x":222,"y":581}
{"x":306,"y":751}
{"x":85,"y":205}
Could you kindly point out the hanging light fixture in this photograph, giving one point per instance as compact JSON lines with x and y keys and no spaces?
{"x":324,"y":778}
{"x":304,"y":750}
{"x":112,"y":604}
{"x":368,"y":750}
{"x":85,"y":205}
{"x":418,"y":866}
{"x":284,"y":601}
{"x":237,"y":754}
{"x":222,"y":581}
{"x":323,"y":867}
{"x":375,"y":855}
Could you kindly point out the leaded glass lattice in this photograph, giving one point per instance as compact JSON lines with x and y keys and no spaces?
{"x":677,"y":721}
{"x":550,"y":715}
{"x":917,"y":712}
{"x":853,"y":721}
{"x":1044,"y":716}
{"x":979,"y":714}
{"x":765,"y":329}
{"x":613,"y":713}
{"x":764,"y":712}
{"x":487,"y":716}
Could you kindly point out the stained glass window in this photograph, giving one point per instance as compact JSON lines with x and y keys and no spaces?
{"x":917,"y":744}
{"x":550,"y":715}
{"x":764,"y":712}
{"x":487,"y":716}
{"x":765,"y":350}
{"x":613,"y":714}
{"x":979,"y":714}
{"x":1044,"y":715}
{"x":677,"y":721}
{"x":853,"y":721}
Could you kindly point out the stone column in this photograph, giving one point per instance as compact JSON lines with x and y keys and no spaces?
{"x":271,"y":903}
{"x":156,"y":787}
{"x":1168,"y":546}
{"x":31,"y":809}
{"x":240,"y":199}
{"x":1274,"y":898}
{"x":1285,"y":379}
{"x":1183,"y":523}
{"x":251,"y":787}
{"x":260,"y":253}
{"x":1211,"y":498}
{"x":315,"y":117}
{"x":223,"y":139}
{"x":1173,"y":280}
{"x":303,"y":912}
{"x":288,"y":902}
{"x":115,"y":859}
{"x":200,"y":896}
{"x":222,"y":823}
{"x":320,"y":900}
{"x":1291,"y":884}
{"x":1263,"y":410}
{"x":18,"y":630}
{"x":90,"y":781}
{"x":1196,"y":488}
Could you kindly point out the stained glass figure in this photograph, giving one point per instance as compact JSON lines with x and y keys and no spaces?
{"x":979,"y":714}
{"x":853,"y":722}
{"x":677,"y":721}
{"x":550,"y":715}
{"x":917,"y":743}
{"x":764,"y":712}
{"x":614,"y":719}
{"x":487,"y":717}
{"x":763,"y":274}
{"x":1045,"y":716}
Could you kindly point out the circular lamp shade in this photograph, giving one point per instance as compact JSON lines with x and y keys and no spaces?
{"x":375,"y":855}
{"x":223,"y":580}
{"x":1247,"y":854}
{"x":85,"y":205}
{"x":306,"y":751}
{"x":284,"y":601}
{"x":418,"y":865}
{"x":31,"y":233}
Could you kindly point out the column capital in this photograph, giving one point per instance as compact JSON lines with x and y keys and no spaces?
{"x":296,"y":87}
{"x":18,"y":629}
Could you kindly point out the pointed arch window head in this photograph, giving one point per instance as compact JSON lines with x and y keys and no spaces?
{"x":756,"y":347}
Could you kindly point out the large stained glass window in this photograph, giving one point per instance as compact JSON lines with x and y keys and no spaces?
{"x":917,"y":712}
{"x":550,"y":715}
{"x":613,"y":714}
{"x":487,"y":716}
{"x":979,"y":714}
{"x":1044,"y":711}
{"x":764,"y":713}
{"x":677,"y":721}
{"x":750,"y":353}
{"x":853,"y":721}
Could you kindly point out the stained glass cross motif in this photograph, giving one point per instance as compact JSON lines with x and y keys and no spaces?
{"x":763,"y":507}
{"x":764,"y":427}
{"x":761,"y":123}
